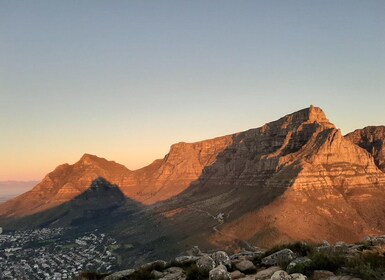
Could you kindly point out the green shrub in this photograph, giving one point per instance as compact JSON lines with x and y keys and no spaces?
{"x":368,"y":266}
{"x":319,"y":262}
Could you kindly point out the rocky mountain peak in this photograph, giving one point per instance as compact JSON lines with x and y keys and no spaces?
{"x":88,"y":159}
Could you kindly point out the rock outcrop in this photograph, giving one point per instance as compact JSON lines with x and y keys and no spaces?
{"x":372,"y":139}
{"x":360,"y":261}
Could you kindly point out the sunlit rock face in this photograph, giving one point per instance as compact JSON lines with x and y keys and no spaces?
{"x":296,"y":178}
{"x":372,"y":139}
{"x":337,"y":194}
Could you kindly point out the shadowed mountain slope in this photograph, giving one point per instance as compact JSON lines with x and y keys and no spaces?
{"x":63,"y":184}
{"x":94,"y":206}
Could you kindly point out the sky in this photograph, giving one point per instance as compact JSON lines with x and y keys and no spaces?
{"x":126,"y":79}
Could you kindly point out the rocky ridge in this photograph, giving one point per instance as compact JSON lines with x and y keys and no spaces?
{"x":296,"y":261}
{"x":296,"y":178}
{"x":372,"y":139}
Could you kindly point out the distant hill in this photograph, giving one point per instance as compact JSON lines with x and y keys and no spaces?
{"x":11,"y":189}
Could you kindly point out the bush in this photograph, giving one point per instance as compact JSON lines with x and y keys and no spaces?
{"x":319,"y":262}
{"x":368,"y":266}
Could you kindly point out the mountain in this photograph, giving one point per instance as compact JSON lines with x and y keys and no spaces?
{"x":92,"y":207}
{"x":372,"y":139}
{"x":296,"y":178}
{"x":63,"y":184}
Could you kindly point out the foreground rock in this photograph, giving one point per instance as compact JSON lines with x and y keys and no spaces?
{"x":219,"y":273}
{"x":343,"y":258}
{"x":284,"y":256}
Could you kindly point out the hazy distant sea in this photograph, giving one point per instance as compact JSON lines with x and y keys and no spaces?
{"x":11,"y":189}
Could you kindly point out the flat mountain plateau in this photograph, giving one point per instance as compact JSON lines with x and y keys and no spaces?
{"x":294,"y":179}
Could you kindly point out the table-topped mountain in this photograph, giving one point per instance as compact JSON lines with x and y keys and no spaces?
{"x":296,"y":178}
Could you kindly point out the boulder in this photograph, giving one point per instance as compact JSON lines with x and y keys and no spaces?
{"x":298,"y":276}
{"x":157,"y":274}
{"x":195,"y":251}
{"x":173,"y":273}
{"x":155,"y":265}
{"x":205,"y":264}
{"x":236,"y":274}
{"x":246,"y":255}
{"x":280,"y":275}
{"x":245,"y":266}
{"x":221,"y":257}
{"x":375,"y":240}
{"x":219,"y":273}
{"x":120,"y":274}
{"x":266,"y":273}
{"x":284,"y":256}
{"x":296,"y":262}
{"x":185,"y":260}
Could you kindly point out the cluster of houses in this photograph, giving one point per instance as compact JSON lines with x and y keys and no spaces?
{"x":44,"y":254}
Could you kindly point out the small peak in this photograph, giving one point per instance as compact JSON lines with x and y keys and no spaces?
{"x":316,"y":114}
{"x":311,"y":114}
{"x":88,"y":156}
{"x":88,"y":159}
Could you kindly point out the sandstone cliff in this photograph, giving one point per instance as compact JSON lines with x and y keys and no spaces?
{"x":296,"y":178}
{"x":372,"y":139}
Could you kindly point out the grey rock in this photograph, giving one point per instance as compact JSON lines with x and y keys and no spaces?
{"x":157,"y":274}
{"x":219,"y":273}
{"x":120,"y":274}
{"x":284,"y":256}
{"x":280,"y":275}
{"x":173,"y":273}
{"x":158,"y":264}
{"x":205,"y":264}
{"x":375,"y":240}
{"x":183,"y":260}
{"x":325,"y":243}
{"x":266,"y":273}
{"x":195,"y":251}
{"x":298,"y":276}
{"x":247,"y":255}
{"x":236,"y":274}
{"x":221,"y":257}
{"x":245,"y":266}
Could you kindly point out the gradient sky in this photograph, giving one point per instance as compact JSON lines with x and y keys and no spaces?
{"x":126,"y":79}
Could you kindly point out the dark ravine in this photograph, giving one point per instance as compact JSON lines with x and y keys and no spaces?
{"x":293,"y":179}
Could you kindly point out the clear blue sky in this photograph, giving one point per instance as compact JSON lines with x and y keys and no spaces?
{"x":126,"y":79}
